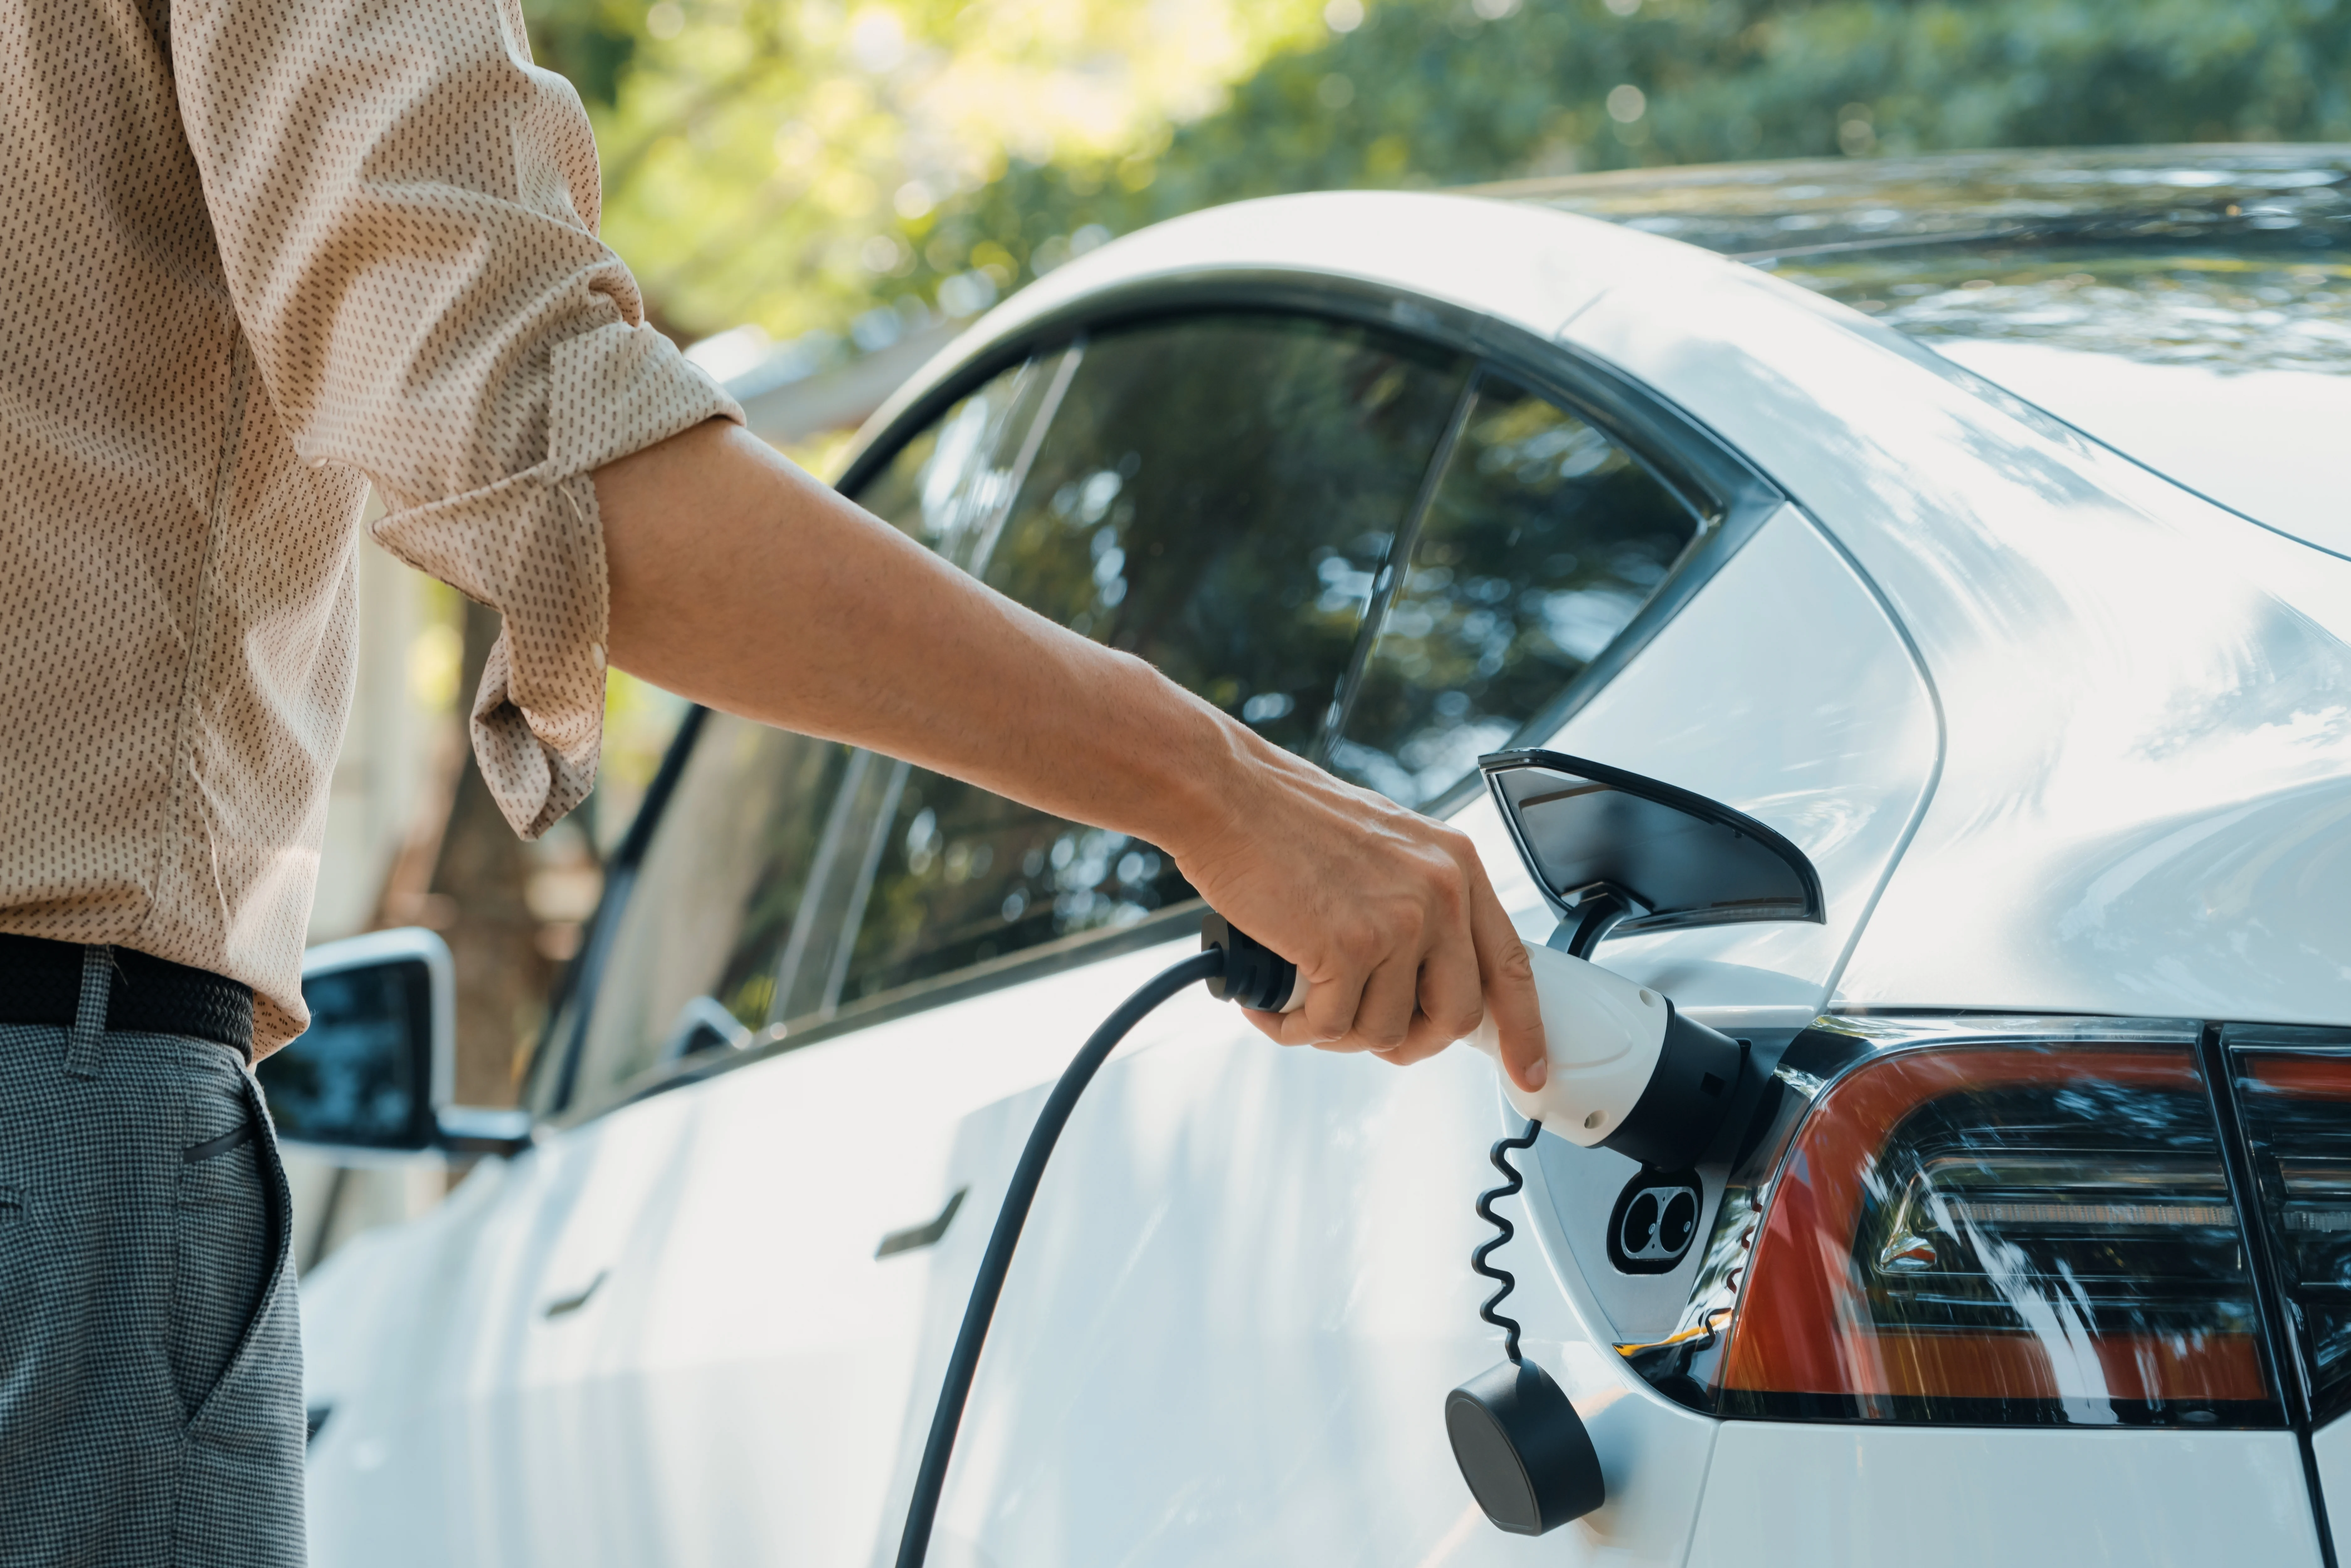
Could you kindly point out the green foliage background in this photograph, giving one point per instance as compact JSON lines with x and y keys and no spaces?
{"x":1415,"y":93}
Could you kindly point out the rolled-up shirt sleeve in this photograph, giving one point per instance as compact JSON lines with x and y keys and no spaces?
{"x":406,"y":211}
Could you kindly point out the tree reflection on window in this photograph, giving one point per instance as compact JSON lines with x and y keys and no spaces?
{"x":1543,"y":540}
{"x":1216,"y":495}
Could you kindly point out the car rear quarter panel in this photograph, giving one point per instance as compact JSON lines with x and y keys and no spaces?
{"x":2146,"y":801}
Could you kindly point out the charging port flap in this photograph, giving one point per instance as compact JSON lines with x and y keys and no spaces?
{"x":1614,"y":850}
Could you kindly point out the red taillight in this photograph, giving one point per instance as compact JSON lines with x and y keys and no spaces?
{"x":2002,"y":1232}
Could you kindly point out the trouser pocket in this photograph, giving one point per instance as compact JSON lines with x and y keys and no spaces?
{"x":151,"y":1402}
{"x":237,"y":1336}
{"x":227,"y":1224}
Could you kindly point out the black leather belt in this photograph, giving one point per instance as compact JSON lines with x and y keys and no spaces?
{"x":40,"y":983}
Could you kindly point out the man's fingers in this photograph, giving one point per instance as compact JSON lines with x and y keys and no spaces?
{"x":1383,"y":1017}
{"x":1510,"y":980}
{"x":1388,"y":914}
{"x":1452,"y":987}
{"x":1329,"y":1013}
{"x":1448,"y":1002}
{"x":1267,"y":1024}
{"x":1425,"y":1039}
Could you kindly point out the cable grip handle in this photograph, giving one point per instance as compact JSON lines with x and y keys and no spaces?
{"x":1255,"y":975}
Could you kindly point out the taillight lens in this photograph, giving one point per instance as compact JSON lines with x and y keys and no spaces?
{"x":2002,"y":1233}
{"x":2296,"y":1109}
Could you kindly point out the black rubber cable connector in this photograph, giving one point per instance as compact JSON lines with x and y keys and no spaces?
{"x":1264,"y":982}
{"x":1255,"y":975}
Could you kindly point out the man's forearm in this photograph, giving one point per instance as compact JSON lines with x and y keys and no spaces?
{"x":740,"y":582}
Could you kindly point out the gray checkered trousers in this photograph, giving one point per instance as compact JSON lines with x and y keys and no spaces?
{"x":151,"y":1357}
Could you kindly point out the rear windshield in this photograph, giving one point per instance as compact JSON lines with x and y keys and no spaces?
{"x":2189,"y":308}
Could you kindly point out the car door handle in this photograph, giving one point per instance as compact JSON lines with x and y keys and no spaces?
{"x":563,"y":1305}
{"x":913,"y":1238}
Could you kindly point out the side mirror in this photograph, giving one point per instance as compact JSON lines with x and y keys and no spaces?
{"x":1616,"y":852}
{"x":377,"y":1067}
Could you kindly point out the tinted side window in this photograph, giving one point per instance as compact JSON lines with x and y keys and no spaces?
{"x":1216,"y":495}
{"x":964,"y":877}
{"x":948,"y":485}
{"x":712,"y":911}
{"x":1543,"y":537}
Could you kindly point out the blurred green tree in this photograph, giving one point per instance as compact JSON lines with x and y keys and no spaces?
{"x":783,"y":163}
{"x":1435,"y":92}
{"x":795,"y":164}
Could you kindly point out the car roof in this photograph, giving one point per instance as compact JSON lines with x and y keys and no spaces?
{"x":2289,"y":199}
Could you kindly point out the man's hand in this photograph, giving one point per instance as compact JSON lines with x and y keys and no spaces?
{"x":739,"y":582}
{"x":1388,"y":915}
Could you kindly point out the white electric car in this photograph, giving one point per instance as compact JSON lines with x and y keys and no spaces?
{"x":1980,"y":525}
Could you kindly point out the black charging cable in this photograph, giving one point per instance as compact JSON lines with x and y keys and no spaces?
{"x":1504,"y":1281}
{"x":1238,"y":969}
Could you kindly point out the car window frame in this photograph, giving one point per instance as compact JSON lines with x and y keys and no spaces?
{"x":1729,"y":494}
{"x":585,"y":972}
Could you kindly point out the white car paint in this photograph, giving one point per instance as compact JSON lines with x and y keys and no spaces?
{"x":2264,"y":442}
{"x":1956,"y":1497}
{"x":2058,"y":727}
{"x":1819,"y":722}
{"x":2146,"y":748}
{"x":2331,"y":1446}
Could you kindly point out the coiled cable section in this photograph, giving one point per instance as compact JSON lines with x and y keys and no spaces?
{"x":1505,"y":1282}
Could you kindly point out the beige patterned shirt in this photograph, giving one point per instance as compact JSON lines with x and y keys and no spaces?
{"x":254,"y":255}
